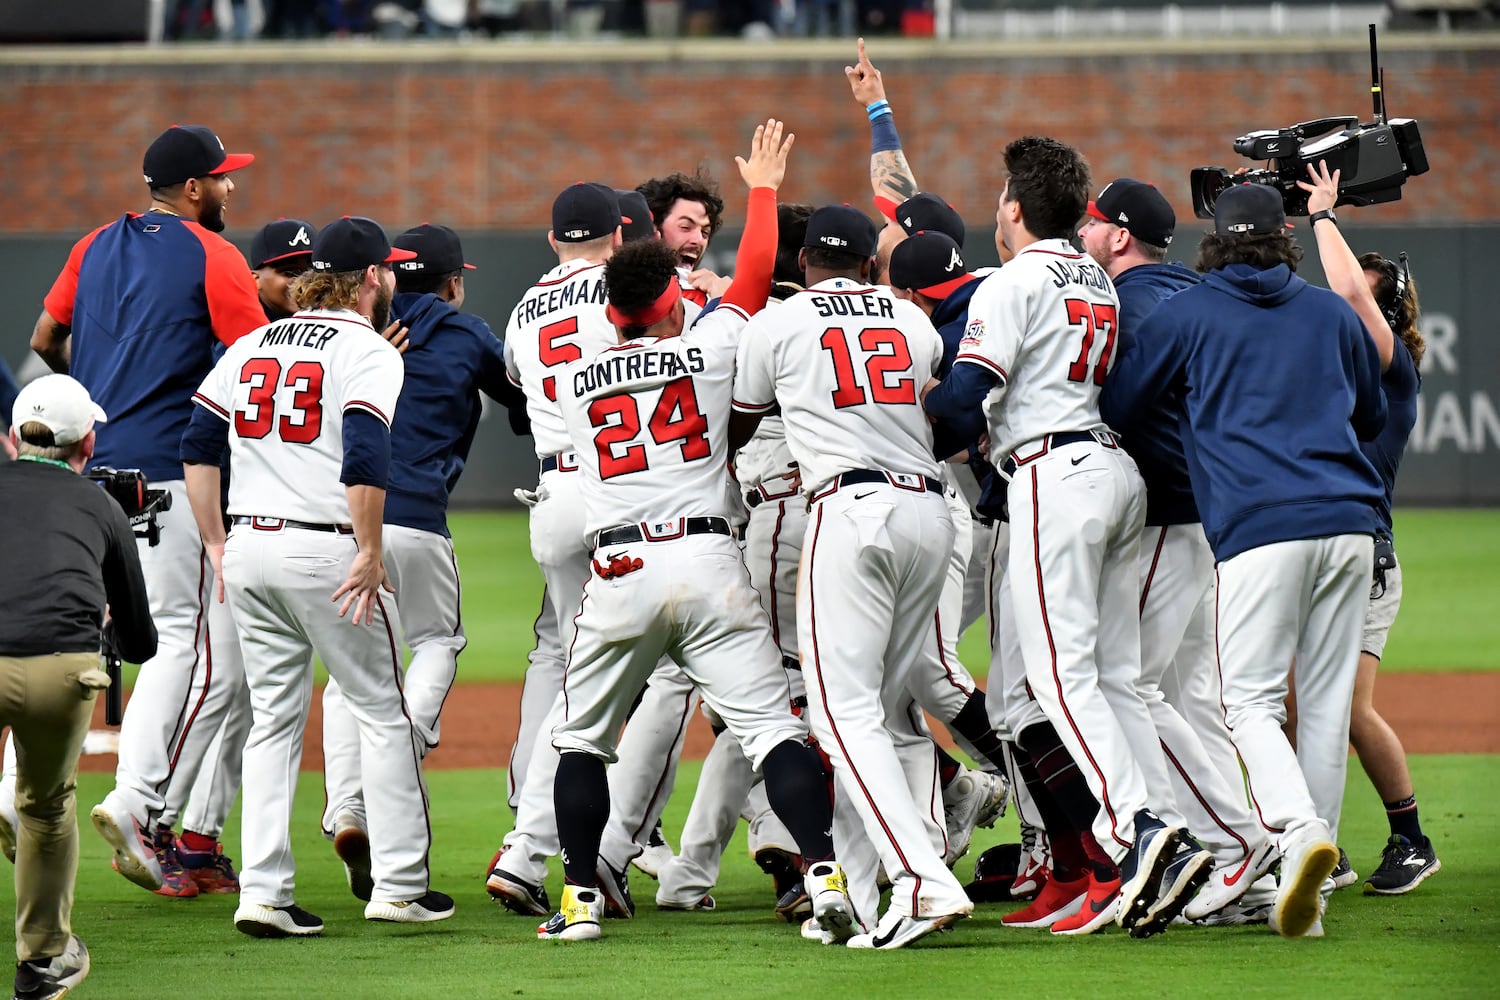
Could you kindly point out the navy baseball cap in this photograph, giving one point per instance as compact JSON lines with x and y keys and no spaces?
{"x":353,"y":243}
{"x":281,"y":240}
{"x":924,"y":212}
{"x":635,"y":216}
{"x":437,"y":250}
{"x":585,"y":211}
{"x":843,"y":228}
{"x":1138,"y":208}
{"x":186,"y":151}
{"x":930,"y":263}
{"x":1249,"y":210}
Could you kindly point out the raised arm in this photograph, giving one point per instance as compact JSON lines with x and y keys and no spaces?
{"x":763,"y":173}
{"x":1345,"y":277}
{"x":890,"y":175}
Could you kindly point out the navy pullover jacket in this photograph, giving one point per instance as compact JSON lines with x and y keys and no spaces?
{"x":1154,"y":437}
{"x":1281,"y":382}
{"x":452,"y":358}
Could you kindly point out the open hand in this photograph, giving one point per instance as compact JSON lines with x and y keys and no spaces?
{"x":362,"y":589}
{"x":766,"y":166}
{"x":1323,"y":192}
{"x":864,"y":79}
{"x":395,"y":335}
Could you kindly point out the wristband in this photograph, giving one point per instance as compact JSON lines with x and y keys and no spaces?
{"x":878,"y":108}
{"x":883,"y":136}
{"x":1317,"y":217}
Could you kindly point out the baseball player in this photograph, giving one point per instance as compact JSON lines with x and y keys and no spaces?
{"x":1127,"y":232}
{"x":668,"y":576}
{"x":450,"y":358}
{"x":687,"y":211}
{"x":1384,"y":296}
{"x":1039,"y":346}
{"x":844,"y":360}
{"x":559,"y":320}
{"x":1289,"y":506}
{"x":279,"y":252}
{"x":141,"y":356}
{"x":304,"y":405}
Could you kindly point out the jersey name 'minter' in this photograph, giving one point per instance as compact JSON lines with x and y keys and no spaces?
{"x":294,"y":334}
{"x":854,"y":305}
{"x":636,"y":365}
{"x":549,"y":300}
{"x":1065,"y":273}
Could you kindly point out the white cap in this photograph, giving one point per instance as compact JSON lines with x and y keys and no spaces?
{"x":62,"y":404}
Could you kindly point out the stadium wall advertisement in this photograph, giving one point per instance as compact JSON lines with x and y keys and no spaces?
{"x":1453,"y":457}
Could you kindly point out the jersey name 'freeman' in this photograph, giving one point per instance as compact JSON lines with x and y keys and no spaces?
{"x":548,"y":300}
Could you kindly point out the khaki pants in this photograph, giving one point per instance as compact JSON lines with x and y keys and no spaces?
{"x":47,"y":701}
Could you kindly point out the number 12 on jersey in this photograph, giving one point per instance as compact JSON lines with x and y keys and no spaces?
{"x":888,"y":355}
{"x":1092,"y":316}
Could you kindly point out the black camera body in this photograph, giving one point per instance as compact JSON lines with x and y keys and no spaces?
{"x":1373,"y":159}
{"x":128,"y":488}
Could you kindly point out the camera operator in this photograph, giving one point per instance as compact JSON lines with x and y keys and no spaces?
{"x":1385,"y":298}
{"x":69,"y":552}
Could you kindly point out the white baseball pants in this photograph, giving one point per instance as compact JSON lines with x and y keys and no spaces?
{"x":280,"y":583}
{"x":1176,"y":570}
{"x":539,"y":689}
{"x":869,"y":588}
{"x":226,"y":710}
{"x":1304,"y":599}
{"x":1076,"y":515}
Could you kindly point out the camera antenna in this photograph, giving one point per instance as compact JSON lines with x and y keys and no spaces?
{"x":1377,"y":81}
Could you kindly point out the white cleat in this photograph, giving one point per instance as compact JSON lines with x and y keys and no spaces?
{"x":1229,"y":883}
{"x":828,"y":889}
{"x":896,"y":930}
{"x":1299,"y":897}
{"x":135,"y":855}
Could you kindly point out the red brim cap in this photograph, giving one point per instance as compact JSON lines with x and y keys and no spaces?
{"x":1094,"y":211}
{"x":288,"y":256}
{"x":886,"y":206}
{"x":234,"y":161}
{"x":398,"y":254}
{"x":470,"y":267}
{"x":942,"y":291}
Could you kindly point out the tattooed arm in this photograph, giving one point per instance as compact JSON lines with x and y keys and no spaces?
{"x":890,"y":175}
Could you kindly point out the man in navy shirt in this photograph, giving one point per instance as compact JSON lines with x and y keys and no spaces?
{"x":1279,"y":382}
{"x":450,"y":358}
{"x":136,"y":316}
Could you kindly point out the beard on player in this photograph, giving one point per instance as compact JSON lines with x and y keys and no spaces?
{"x":380,"y":311}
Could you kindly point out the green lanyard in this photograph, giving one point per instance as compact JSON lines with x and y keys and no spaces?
{"x":47,"y":461}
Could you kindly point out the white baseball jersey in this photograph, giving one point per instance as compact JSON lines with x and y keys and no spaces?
{"x":1046,"y":324}
{"x":284,"y":389}
{"x":651,"y":421}
{"x":847,"y":361}
{"x":560,"y":319}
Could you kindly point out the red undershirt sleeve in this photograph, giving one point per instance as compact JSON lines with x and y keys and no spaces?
{"x":755,"y":262}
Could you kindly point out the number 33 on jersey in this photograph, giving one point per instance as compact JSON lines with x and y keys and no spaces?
{"x":284,"y":389}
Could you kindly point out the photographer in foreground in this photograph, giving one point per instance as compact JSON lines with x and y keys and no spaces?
{"x":69,"y":552}
{"x":1384,"y":296}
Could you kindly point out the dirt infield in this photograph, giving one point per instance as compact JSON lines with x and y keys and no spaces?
{"x":1433,"y":713}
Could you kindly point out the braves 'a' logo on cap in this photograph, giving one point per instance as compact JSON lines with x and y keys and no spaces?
{"x":300,"y":239}
{"x":955,"y":262}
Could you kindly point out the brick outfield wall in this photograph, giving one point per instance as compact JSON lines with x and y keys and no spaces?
{"x":486,"y":144}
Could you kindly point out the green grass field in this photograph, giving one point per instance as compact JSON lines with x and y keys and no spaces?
{"x":1442,"y":941}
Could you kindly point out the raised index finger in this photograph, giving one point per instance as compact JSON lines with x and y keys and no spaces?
{"x":864,"y":59}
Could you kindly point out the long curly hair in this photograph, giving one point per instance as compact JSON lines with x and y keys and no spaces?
{"x":1401,"y":312}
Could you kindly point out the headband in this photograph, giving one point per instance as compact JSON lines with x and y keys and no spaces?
{"x":650,"y":314}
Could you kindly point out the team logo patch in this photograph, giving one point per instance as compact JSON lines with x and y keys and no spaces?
{"x":153,"y":228}
{"x":974,"y":332}
{"x":833,"y":241}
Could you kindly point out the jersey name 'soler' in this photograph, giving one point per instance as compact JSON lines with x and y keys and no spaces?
{"x":542,"y":301}
{"x":853,"y":305}
{"x":635,"y":366}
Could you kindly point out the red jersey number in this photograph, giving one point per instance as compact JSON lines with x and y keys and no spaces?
{"x":1092,"y":316}
{"x":676,"y":419}
{"x":302,"y":421}
{"x":552,"y":353}
{"x":888,"y":356}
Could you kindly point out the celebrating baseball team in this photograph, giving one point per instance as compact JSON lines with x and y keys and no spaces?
{"x":778,"y":498}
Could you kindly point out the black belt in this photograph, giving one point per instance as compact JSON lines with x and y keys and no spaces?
{"x":857,"y":477}
{"x":1051,"y":441}
{"x":628,"y":534}
{"x":277,"y":523}
{"x":554,"y":462}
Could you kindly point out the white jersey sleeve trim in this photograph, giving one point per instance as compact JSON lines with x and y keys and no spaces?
{"x":980,"y":360}
{"x":210,"y":405}
{"x":752,"y":407}
{"x":370,"y":408}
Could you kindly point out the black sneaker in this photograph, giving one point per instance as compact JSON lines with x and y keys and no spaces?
{"x":1145,"y":866}
{"x":1344,"y":874}
{"x":614,"y":886}
{"x":259,"y":920}
{"x":785,"y":870}
{"x":515,"y":893}
{"x":1184,"y":875}
{"x":50,"y":978}
{"x":1403,"y":866}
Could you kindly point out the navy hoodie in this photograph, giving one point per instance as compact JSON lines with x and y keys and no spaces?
{"x":1154,"y":437}
{"x":1281,"y":383}
{"x":452,"y":358}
